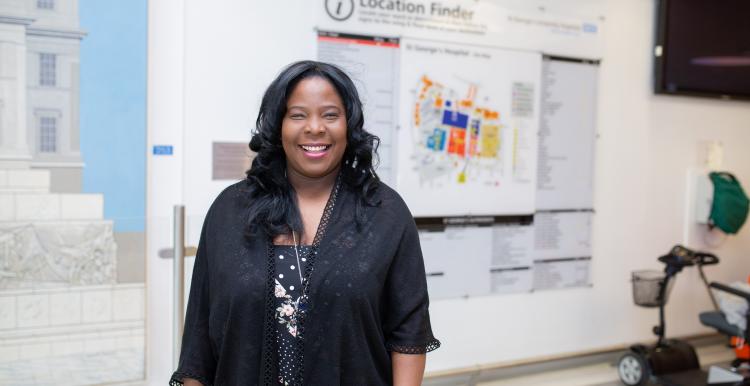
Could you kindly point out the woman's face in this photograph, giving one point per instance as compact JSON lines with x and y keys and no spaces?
{"x":313,"y":131}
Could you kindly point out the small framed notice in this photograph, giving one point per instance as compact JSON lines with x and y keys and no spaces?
{"x":231,"y":160}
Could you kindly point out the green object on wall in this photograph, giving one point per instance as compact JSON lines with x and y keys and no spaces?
{"x":730,"y":204}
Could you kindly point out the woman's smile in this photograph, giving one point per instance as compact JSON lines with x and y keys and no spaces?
{"x":315,"y":150}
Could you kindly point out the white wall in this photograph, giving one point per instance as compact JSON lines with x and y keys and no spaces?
{"x":233,"y":48}
{"x":646,"y":145}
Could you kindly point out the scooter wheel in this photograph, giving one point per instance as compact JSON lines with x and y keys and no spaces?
{"x":633,"y":369}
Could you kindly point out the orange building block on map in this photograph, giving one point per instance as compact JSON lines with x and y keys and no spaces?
{"x":457,"y":142}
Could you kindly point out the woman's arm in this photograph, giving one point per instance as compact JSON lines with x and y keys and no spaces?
{"x":406,"y":321}
{"x":196,"y":357}
{"x":408,"y":369}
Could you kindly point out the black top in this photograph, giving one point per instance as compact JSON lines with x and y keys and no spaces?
{"x":367,"y":297}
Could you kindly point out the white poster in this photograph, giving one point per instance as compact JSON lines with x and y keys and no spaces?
{"x":468,"y":132}
{"x":562,"y":273}
{"x":511,"y":280}
{"x":567,"y":135}
{"x":562,"y":234}
{"x":512,"y":258}
{"x":564,"y":197}
{"x":456,"y":261}
{"x":512,"y":245}
{"x":562,"y":249}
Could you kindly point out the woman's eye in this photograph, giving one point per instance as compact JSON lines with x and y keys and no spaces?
{"x":297,"y":116}
{"x":331,"y":116}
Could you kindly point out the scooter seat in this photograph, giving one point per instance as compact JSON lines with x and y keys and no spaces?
{"x":716,"y":319}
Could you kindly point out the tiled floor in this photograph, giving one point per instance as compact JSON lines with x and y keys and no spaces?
{"x":128,"y":365}
{"x":603,"y":374}
{"x":81,"y":369}
{"x":598,"y":370}
{"x":72,"y":335}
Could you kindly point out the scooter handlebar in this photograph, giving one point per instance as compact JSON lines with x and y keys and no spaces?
{"x":705,"y":258}
{"x":680,"y":256}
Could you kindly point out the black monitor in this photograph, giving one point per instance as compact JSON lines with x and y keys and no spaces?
{"x":703,"y":48}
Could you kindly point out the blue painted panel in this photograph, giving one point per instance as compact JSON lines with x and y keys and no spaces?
{"x":113,"y":108}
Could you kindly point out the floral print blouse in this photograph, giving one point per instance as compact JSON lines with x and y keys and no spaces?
{"x":289,"y":273}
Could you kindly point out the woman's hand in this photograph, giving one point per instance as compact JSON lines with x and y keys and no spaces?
{"x":408,"y":369}
{"x":190,"y":382}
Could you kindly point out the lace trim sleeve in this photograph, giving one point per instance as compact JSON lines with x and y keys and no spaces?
{"x":177,"y":378}
{"x":414,"y":349}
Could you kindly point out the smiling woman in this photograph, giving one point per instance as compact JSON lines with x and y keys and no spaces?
{"x":313,"y":132}
{"x":309,"y":272}
{"x":291,"y":107}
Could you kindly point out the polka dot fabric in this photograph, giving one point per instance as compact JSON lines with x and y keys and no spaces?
{"x":287,"y":293}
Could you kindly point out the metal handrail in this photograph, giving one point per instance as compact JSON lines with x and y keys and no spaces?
{"x":178,"y":273}
{"x":180,"y":250}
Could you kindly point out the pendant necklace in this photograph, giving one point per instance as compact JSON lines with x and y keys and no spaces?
{"x":296,"y":252}
{"x":302,"y":300}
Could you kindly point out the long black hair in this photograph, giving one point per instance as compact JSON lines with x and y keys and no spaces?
{"x":272,"y":206}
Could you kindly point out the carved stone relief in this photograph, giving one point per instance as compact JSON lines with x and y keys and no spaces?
{"x":43,"y":255}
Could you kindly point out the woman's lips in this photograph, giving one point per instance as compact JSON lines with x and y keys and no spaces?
{"x":315,"y":150}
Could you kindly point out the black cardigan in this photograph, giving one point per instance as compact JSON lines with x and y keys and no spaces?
{"x":367,"y":297}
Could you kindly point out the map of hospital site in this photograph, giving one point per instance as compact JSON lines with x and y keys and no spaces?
{"x":455,"y":137}
{"x":467,"y":135}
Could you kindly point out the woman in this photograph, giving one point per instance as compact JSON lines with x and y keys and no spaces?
{"x":309,"y":272}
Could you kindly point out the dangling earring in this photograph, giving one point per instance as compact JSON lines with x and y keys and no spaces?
{"x":354,"y":163}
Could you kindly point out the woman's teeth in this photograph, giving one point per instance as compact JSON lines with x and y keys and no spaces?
{"x":317,"y":148}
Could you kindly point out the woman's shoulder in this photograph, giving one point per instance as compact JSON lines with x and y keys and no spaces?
{"x":390,"y":201}
{"x":235,"y":191}
{"x":231,"y":200}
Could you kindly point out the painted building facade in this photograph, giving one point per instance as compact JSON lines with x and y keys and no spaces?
{"x":39,"y":89}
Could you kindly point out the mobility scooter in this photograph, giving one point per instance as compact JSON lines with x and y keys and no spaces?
{"x":668,"y":361}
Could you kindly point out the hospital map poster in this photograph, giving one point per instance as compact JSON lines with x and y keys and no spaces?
{"x":468,"y":129}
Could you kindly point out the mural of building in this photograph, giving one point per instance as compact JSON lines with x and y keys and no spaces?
{"x":39,"y":89}
{"x":63,"y":315}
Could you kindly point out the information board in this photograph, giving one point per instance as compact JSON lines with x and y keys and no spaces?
{"x":468,"y":129}
{"x":475,"y":130}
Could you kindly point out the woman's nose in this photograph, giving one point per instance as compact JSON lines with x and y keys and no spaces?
{"x":315,"y":126}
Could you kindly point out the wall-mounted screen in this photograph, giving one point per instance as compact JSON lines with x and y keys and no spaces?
{"x":703,"y":48}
